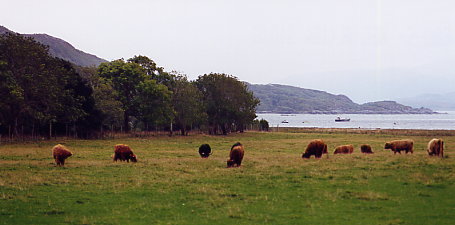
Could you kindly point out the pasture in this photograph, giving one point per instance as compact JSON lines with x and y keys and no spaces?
{"x":171,"y":184}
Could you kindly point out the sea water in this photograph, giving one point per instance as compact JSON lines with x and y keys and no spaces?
{"x":442,"y":121}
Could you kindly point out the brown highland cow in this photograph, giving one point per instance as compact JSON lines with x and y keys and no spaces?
{"x":124,"y":153}
{"x":366,"y":149}
{"x":60,"y":153}
{"x":316,"y":147}
{"x":344,"y":149}
{"x":236,"y":155}
{"x":436,"y":147}
{"x":400,"y":145}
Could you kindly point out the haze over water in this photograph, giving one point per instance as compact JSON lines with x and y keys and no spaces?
{"x":365,"y":121}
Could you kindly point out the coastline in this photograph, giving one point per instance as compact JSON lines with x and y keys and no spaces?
{"x":405,"y":132}
{"x":354,"y":113}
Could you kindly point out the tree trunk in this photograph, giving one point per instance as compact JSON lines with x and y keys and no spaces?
{"x":74,"y":130}
{"x":15,"y":131}
{"x":126,"y":121}
{"x":171,"y":130}
{"x":33,"y":131}
{"x":50,"y":129}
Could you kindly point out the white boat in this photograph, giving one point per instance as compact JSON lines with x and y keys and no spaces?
{"x":339,"y":119}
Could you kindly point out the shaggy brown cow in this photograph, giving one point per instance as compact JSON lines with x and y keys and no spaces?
{"x":366,"y":149}
{"x":316,"y":147}
{"x":124,"y":153}
{"x":60,"y":153}
{"x":436,"y":147}
{"x":205,"y":151}
{"x":344,"y":149}
{"x":236,"y":155}
{"x":399,"y":145}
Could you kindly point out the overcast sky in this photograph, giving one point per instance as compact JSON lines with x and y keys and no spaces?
{"x":368,"y":50}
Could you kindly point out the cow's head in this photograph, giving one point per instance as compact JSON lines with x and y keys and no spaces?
{"x":230,"y":163}
{"x":133,"y":158}
{"x":388,"y":145}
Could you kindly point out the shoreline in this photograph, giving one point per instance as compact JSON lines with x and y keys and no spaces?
{"x":351,"y":113}
{"x":408,"y":132}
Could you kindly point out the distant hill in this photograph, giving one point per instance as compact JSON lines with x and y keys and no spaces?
{"x":276,"y":98}
{"x":62,"y":49}
{"x":443,"y":102}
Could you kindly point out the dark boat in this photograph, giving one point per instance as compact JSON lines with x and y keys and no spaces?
{"x":284,"y":121}
{"x":339,"y":119}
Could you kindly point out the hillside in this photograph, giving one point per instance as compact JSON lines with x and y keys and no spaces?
{"x":276,"y":98}
{"x":62,"y":49}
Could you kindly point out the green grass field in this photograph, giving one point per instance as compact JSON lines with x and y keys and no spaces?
{"x":171,"y":184}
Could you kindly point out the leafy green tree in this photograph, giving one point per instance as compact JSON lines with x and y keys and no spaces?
{"x":137,"y":90}
{"x":228,"y":102}
{"x":264,"y":125}
{"x":36,"y":86}
{"x":104,"y":96}
{"x":154,"y":102}
{"x":153,"y":71}
{"x":187,"y":103}
{"x":125,"y":78}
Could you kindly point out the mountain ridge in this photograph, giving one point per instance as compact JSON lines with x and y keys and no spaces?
{"x":278,"y":98}
{"x":61,"y":49}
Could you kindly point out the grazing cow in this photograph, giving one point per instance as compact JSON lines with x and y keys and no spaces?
{"x":344,"y":149}
{"x":436,"y":147}
{"x":60,"y":153}
{"x":400,"y":145}
{"x":205,"y":151}
{"x":366,"y":149}
{"x":236,"y":155}
{"x":316,"y":147}
{"x":124,"y":153}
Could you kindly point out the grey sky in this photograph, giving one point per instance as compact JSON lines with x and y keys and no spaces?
{"x":367,"y":49}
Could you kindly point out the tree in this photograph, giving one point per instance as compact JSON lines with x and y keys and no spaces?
{"x":125,"y":78}
{"x":228,"y":102}
{"x":263,"y":125}
{"x":104,"y":96}
{"x":140,"y":95}
{"x":153,"y":71}
{"x":36,"y":86}
{"x":24,"y":65}
{"x":154,"y":101}
{"x":187,"y":103}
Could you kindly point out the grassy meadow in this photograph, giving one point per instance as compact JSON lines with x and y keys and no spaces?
{"x":171,"y":184}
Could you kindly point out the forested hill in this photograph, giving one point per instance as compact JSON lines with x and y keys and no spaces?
{"x":276,"y":98}
{"x":62,"y":49}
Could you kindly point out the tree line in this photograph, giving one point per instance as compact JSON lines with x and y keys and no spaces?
{"x":44,"y":96}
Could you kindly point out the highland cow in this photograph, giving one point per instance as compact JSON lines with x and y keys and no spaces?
{"x":205,"y":151}
{"x":124,"y":153}
{"x":60,"y":153}
{"x":236,"y":155}
{"x":344,"y":149}
{"x":366,"y":149}
{"x":315,"y":147}
{"x":436,"y":147}
{"x":400,"y":145}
